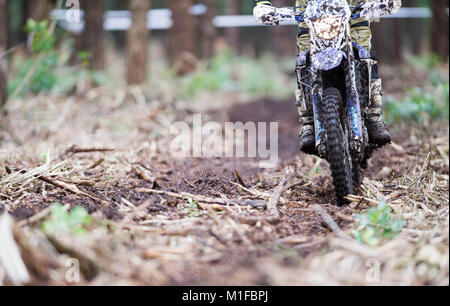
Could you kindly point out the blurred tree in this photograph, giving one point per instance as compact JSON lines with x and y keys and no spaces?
{"x":92,"y":39}
{"x":397,"y":45}
{"x":3,"y":48}
{"x":137,"y":42}
{"x":232,"y":34}
{"x":120,"y":37}
{"x":416,"y":31}
{"x":37,"y":9}
{"x":182,"y":38}
{"x":207,"y":29}
{"x":17,"y":21}
{"x":440,"y":24}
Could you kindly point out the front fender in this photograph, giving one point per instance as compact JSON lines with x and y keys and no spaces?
{"x":327,"y":59}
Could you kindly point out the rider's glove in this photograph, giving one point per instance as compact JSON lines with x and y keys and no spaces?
{"x":260,"y":2}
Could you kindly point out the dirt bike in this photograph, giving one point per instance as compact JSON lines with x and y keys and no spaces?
{"x":335,"y":76}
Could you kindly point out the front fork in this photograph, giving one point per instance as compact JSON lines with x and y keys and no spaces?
{"x":317,"y":91}
{"x":353,"y":111}
{"x":354,"y":117}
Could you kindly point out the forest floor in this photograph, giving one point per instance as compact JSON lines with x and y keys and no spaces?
{"x":161,"y":220}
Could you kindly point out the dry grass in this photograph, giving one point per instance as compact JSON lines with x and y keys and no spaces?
{"x":165,"y":221}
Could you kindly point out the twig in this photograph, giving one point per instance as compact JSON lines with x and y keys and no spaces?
{"x":10,"y":257}
{"x":330,"y":223}
{"x":293,"y":185}
{"x":189,"y":183}
{"x":75,"y":150}
{"x":274,"y":215}
{"x":256,"y":193}
{"x":422,"y":171}
{"x":239,"y":178}
{"x":359,"y":199}
{"x":275,"y":198}
{"x":97,"y":163}
{"x":345,"y":217}
{"x":72,"y":188}
{"x":187,"y":196}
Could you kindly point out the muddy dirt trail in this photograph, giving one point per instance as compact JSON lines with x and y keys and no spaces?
{"x":200,"y":221}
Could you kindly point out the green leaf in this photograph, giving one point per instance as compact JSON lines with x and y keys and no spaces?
{"x":75,"y":221}
{"x":376,"y":225}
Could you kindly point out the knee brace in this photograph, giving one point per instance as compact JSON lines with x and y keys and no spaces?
{"x":303,"y":40}
{"x":362,"y":35}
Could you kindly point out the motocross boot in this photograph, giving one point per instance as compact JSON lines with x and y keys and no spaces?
{"x":307,"y":141}
{"x":376,"y":125}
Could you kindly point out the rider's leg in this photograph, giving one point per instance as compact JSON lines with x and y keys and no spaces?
{"x":307,"y":142}
{"x":375,"y":123}
{"x":378,"y":133}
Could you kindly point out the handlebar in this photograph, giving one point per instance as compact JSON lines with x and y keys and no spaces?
{"x":298,"y":15}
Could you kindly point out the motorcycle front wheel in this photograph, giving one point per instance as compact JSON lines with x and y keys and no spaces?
{"x":337,"y":148}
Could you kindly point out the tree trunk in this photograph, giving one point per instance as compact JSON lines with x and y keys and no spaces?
{"x":38,"y":9}
{"x":91,"y":39}
{"x":207,"y":29}
{"x":397,"y":50}
{"x":120,"y":37}
{"x":137,"y":43}
{"x":3,"y":57}
{"x":232,"y":34}
{"x":415,"y":33}
{"x":182,"y":40}
{"x":440,"y":24}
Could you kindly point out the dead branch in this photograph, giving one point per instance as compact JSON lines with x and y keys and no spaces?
{"x":275,"y":198}
{"x":72,"y":188}
{"x":10,"y":257}
{"x":330,"y":222}
{"x":76,"y":150}
{"x":202,"y":199}
{"x":238,"y":175}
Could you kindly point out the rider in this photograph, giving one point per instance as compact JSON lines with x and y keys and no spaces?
{"x":362,"y":36}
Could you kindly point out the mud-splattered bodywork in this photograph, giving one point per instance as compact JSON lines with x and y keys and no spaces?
{"x":331,"y":50}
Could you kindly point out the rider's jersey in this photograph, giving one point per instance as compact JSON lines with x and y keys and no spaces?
{"x":360,"y":28}
{"x":304,"y":3}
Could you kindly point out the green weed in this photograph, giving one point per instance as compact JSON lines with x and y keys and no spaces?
{"x":192,"y":208}
{"x":420,"y":104}
{"x":75,"y":221}
{"x":227,"y":72}
{"x":378,"y":224}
